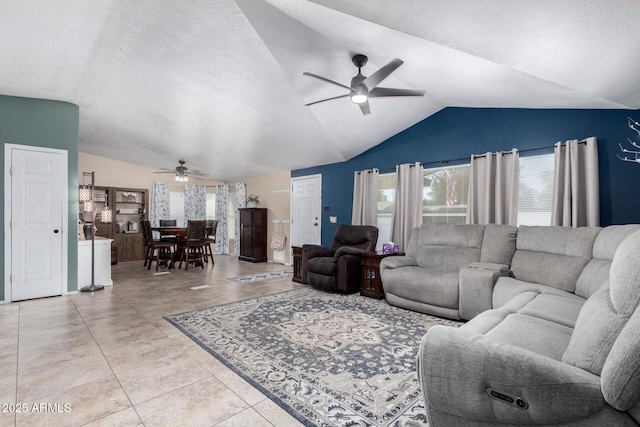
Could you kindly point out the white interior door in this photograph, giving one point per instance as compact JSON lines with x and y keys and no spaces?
{"x":306,"y":208}
{"x":38,"y":201}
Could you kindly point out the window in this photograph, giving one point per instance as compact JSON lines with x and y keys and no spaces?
{"x":535,"y":190}
{"x":211,"y":205}
{"x":176,"y":207}
{"x":386,"y":199}
{"x":444,"y":197}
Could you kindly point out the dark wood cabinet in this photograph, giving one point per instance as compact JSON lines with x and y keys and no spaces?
{"x":253,"y":234}
{"x":371,"y":282}
{"x":297,"y":263}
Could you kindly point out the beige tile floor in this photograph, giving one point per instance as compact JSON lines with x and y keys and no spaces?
{"x":110,"y":359}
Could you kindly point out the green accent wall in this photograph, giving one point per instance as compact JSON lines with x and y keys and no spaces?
{"x":50,"y":124}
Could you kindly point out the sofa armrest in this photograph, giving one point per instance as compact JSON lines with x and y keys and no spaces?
{"x":348,"y":250}
{"x":398,"y":261}
{"x":456,"y":367}
{"x":312,"y":251}
{"x":476,"y":287}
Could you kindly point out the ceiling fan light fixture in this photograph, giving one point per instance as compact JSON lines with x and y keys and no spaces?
{"x":181,"y":177}
{"x":359,"y":95}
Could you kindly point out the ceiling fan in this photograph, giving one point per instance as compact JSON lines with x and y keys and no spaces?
{"x":362,"y":87}
{"x":182,"y":172}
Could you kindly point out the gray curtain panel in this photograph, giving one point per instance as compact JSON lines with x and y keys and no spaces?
{"x":493,"y":188}
{"x":160,"y":203}
{"x":365,"y":198}
{"x":576,"y":193}
{"x":222,"y":200}
{"x":241,"y":202}
{"x":195,"y":202}
{"x":407,"y":210}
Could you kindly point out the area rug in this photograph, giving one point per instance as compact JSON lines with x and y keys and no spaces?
{"x":327,"y":359}
{"x":259,"y":277}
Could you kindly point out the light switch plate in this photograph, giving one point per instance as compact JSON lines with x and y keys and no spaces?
{"x":333,"y":219}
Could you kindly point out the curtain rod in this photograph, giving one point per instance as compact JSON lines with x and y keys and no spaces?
{"x":367,"y":170}
{"x":444,"y":162}
{"x":526,"y":150}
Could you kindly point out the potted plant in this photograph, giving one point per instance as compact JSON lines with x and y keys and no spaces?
{"x":253,"y":201}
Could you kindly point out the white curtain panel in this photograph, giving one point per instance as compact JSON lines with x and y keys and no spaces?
{"x":576,"y":192}
{"x":407,"y":210}
{"x":222,"y":200}
{"x":160,"y":203}
{"x":365,"y":197}
{"x":493,"y":188}
{"x":195,"y":202}
{"x":241,"y":202}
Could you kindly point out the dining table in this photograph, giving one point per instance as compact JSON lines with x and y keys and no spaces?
{"x":171,"y":230}
{"x":180,"y":234}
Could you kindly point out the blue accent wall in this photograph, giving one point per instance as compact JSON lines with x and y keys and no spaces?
{"x":50,"y":124}
{"x":460,"y":132}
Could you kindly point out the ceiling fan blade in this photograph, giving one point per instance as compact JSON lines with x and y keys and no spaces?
{"x":364,"y":106}
{"x":197,"y":173}
{"x":325,"y":80}
{"x":328,"y":99}
{"x":388,"y":91}
{"x":374,"y":79}
{"x":166,"y":172}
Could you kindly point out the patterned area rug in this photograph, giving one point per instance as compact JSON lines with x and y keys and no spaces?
{"x":328,"y":359}
{"x":250,"y":278}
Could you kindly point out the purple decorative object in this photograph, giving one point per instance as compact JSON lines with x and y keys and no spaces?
{"x":390,"y":248}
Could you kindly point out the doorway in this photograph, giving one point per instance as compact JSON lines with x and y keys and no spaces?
{"x":306,"y":210}
{"x":36,"y":212}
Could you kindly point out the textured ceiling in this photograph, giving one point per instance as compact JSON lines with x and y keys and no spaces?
{"x":219,"y":83}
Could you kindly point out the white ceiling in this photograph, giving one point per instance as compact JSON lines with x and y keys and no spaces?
{"x":219,"y":83}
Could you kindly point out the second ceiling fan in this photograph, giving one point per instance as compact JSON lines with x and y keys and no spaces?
{"x":362,"y":87}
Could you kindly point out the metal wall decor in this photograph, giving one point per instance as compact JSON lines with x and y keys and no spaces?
{"x":631,"y":155}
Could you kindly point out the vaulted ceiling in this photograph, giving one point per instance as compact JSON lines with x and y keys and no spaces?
{"x":219,"y":83}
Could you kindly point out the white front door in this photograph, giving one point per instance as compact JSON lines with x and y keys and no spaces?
{"x":38,"y":201}
{"x":306,"y":208}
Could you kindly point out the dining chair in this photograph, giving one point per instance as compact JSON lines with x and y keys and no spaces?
{"x":212,"y":229}
{"x":193,"y":246}
{"x":168,"y":223}
{"x":161,"y":251}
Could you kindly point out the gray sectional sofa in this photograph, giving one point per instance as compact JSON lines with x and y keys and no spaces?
{"x":554,"y":335}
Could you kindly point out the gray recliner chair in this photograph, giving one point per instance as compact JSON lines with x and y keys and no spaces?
{"x":338,"y":268}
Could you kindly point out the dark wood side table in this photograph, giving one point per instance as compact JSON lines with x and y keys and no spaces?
{"x":297,"y":263}
{"x":371,"y":283}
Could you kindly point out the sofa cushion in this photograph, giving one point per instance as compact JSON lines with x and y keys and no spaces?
{"x":534,"y":334}
{"x":487,"y":320}
{"x":507,"y":287}
{"x":448,"y":247}
{"x":498,"y":244}
{"x":596,"y":273}
{"x":596,"y":330}
{"x":553,"y":256}
{"x":323,"y":265}
{"x":433,"y":287}
{"x":560,"y":309}
{"x":620,"y":375}
{"x":625,"y":276}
